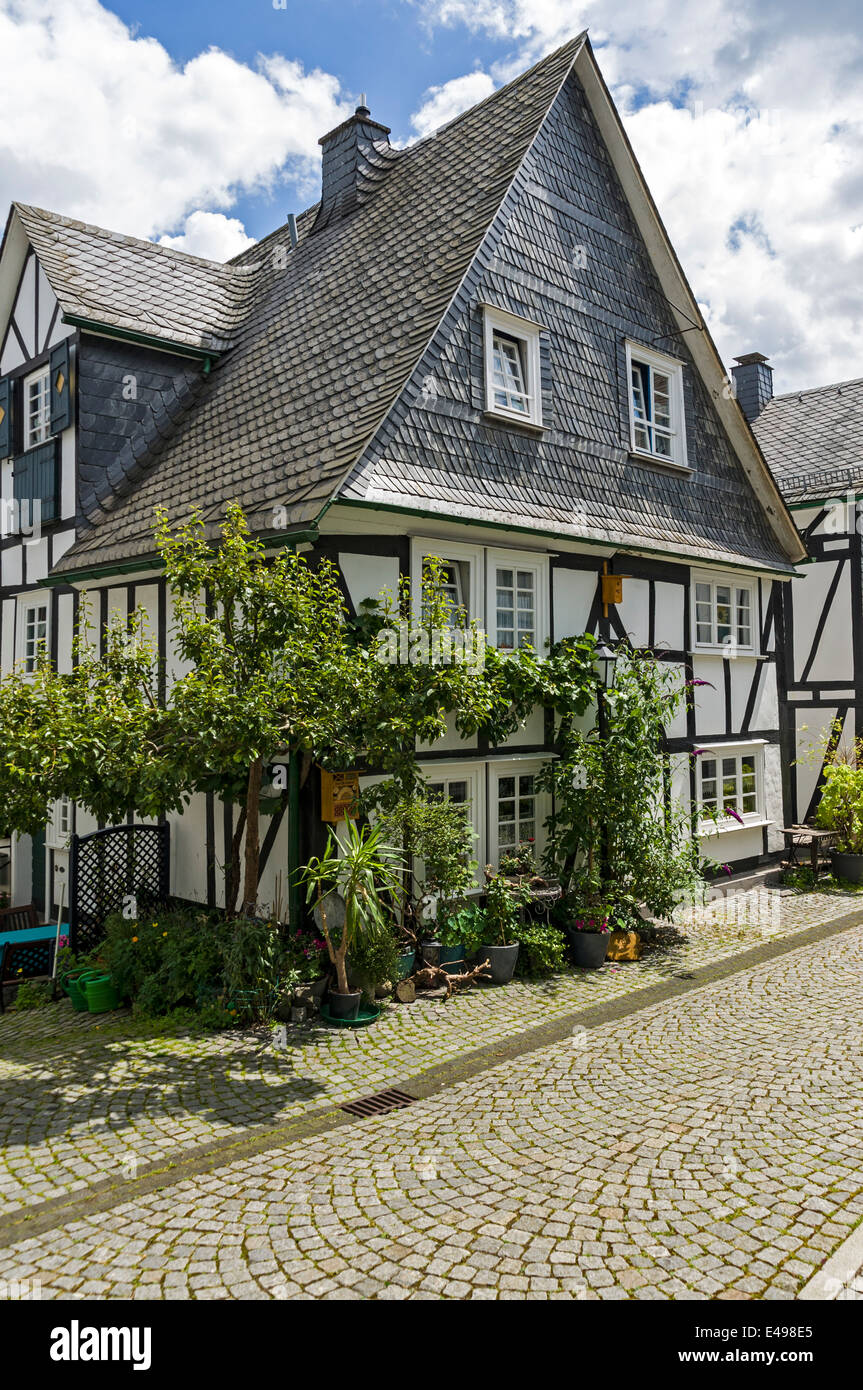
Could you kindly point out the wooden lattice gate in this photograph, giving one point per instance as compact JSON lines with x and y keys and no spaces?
{"x":111,"y":869}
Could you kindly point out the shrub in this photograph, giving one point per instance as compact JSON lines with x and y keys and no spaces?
{"x":33,"y":994}
{"x":373,"y":960}
{"x":467,"y":925}
{"x":542,"y":950}
{"x":189,"y":959}
{"x":841,"y":806}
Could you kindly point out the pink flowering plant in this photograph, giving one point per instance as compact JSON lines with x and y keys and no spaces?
{"x":305,"y":951}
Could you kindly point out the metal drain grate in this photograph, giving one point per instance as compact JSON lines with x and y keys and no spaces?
{"x":379,"y":1104}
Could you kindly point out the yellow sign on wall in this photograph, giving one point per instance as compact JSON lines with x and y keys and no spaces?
{"x":339,"y":793}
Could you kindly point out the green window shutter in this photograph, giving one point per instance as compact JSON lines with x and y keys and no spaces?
{"x":59,"y":376}
{"x":5,"y":417}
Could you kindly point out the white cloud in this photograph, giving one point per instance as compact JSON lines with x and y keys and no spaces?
{"x":211,"y":235}
{"x":442,"y":104}
{"x":747,"y":120}
{"x":103,"y":125}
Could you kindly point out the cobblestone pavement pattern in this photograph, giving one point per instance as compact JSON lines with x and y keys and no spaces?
{"x":709,"y":1146}
{"x":83,"y":1099}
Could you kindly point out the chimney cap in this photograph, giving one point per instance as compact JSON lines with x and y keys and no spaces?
{"x":361,"y":115}
{"x":749,"y":358}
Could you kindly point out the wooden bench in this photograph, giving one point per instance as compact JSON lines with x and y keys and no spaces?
{"x":18,"y":918}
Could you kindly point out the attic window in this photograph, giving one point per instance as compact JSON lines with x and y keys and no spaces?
{"x":512,"y":374}
{"x":655,"y":385}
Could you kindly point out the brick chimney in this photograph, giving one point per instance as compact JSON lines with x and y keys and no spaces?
{"x":355,"y":157}
{"x":753,"y":383}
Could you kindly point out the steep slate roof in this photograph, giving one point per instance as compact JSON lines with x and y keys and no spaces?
{"x":336,"y":327}
{"x":813,"y":440}
{"x":125,"y":283}
{"x":332,"y":342}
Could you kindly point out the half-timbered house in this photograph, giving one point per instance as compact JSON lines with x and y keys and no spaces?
{"x":813,"y":441}
{"x":482,"y":347}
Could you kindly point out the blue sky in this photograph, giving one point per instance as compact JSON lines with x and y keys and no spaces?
{"x":196,"y":122}
{"x":383,"y":49}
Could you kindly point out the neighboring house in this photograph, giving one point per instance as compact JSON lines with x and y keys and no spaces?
{"x":813,"y":441}
{"x":481,"y":347}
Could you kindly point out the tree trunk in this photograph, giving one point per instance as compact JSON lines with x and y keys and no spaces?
{"x":233,"y":885}
{"x":253,"y":839}
{"x":341,"y":972}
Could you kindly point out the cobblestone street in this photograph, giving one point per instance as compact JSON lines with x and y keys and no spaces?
{"x":706,"y":1146}
{"x":84,"y":1099}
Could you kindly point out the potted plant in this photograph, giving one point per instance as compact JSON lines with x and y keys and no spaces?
{"x":505,"y":900}
{"x":437,"y":833}
{"x":841,"y":810}
{"x":360,"y":872}
{"x":588,"y":939}
{"x":519,"y":867}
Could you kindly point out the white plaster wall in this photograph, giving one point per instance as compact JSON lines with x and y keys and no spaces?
{"x":366,"y":576}
{"x":573,"y":592}
{"x":710,"y":698}
{"x":668,"y":619}
{"x":36,"y":560}
{"x":834,"y":659}
{"x":773,"y":795}
{"x":811,"y":725}
{"x":7,"y":636}
{"x":64,"y":634}
{"x":189,"y":851}
{"x":634,"y":611}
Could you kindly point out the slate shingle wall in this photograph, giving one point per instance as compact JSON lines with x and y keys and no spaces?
{"x":129,"y":400}
{"x":566,"y":252}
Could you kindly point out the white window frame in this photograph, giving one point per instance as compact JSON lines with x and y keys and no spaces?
{"x":42,"y":433}
{"x":468,"y":558}
{"x":474,"y":775}
{"x":26,"y":602}
{"x":538,"y":566}
{"x":59,"y":829}
{"x":526,"y":335}
{"x":716,"y":752}
{"x":526,"y":765}
{"x":673,"y":369}
{"x":730,"y":643}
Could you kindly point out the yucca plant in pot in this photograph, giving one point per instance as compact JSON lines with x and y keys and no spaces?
{"x":364,"y":872}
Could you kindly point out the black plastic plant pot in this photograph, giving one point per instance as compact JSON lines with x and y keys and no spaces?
{"x":847,"y":866}
{"x":501,"y":960}
{"x":588,"y":948}
{"x":345,"y":1005}
{"x":431,"y":951}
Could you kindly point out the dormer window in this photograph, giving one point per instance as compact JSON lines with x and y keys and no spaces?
{"x":512,"y":368}
{"x":37,"y":409}
{"x":655,"y":385}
